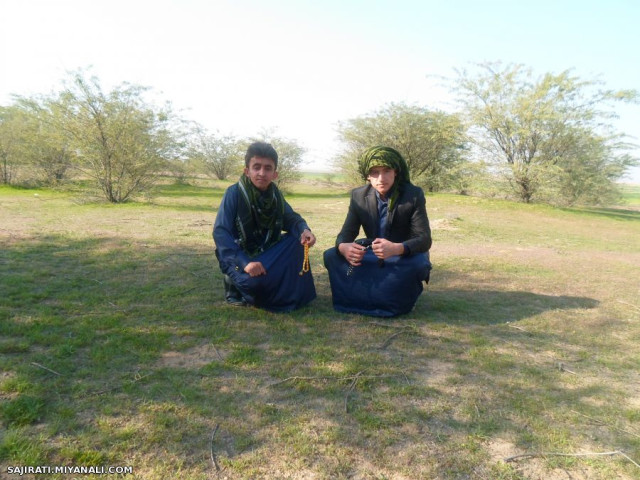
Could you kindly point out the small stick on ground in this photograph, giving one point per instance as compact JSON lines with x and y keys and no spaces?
{"x":47,"y":369}
{"x":388,"y":341}
{"x":602,"y":422}
{"x":217,"y":352}
{"x":184,"y":268}
{"x":137,"y":378}
{"x":401,"y":330}
{"x":214,"y":460}
{"x":630,"y":304}
{"x":353,"y":385}
{"x":517,"y":328}
{"x":586,"y":454}
{"x":116,"y":308}
{"x":562,"y":368}
{"x":188,"y":290}
{"x":388,"y":325}
{"x":351,"y":377}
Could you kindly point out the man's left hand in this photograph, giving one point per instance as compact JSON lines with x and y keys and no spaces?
{"x":383,"y":248}
{"x":307,"y":238}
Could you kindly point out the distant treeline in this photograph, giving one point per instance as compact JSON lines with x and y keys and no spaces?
{"x":543,"y":139}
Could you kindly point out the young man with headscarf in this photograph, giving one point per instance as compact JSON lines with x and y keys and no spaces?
{"x":381,"y":275}
{"x":261,"y":266}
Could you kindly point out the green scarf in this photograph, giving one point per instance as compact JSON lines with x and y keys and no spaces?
{"x":260,"y":216}
{"x":379,"y":156}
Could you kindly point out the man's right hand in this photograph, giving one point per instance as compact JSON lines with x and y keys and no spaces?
{"x":352,"y":252}
{"x":255,"y":269}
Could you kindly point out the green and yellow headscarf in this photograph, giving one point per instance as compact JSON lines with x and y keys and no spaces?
{"x":380,"y":156}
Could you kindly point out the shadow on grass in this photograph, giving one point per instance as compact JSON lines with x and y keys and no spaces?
{"x":121,"y":350}
{"x":163,"y":198}
{"x":189,"y":191}
{"x":310,"y":196}
{"x":211,"y":209}
{"x":612,"y":213}
{"x":84,"y":327}
{"x":485,"y":307}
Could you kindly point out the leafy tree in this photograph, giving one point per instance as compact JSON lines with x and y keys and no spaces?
{"x":553,"y":134}
{"x":221,"y":155}
{"x":44,"y":144}
{"x":13,"y":129}
{"x":290,"y":156}
{"x":432,"y":142}
{"x":122,"y":142}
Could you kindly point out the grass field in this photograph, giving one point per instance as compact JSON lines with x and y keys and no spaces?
{"x":520,"y":360}
{"x":631,"y":195}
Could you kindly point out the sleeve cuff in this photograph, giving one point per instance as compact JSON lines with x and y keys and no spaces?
{"x":241,"y":261}
{"x":301,"y":227}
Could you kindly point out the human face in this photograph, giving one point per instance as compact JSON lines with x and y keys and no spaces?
{"x":382,"y":179}
{"x":261,"y":171}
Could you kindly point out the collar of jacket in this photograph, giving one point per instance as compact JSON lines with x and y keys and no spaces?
{"x":372,"y":208}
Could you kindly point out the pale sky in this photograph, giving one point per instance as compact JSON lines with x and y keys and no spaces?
{"x":302,"y":66}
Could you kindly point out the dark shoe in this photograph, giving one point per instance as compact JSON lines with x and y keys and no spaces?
{"x":236,"y":302}
{"x":231,"y":294}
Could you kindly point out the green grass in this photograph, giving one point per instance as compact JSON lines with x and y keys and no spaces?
{"x":631,"y":195}
{"x":116,"y":346}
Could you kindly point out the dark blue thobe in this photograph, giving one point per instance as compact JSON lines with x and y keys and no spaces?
{"x":376,"y":288}
{"x":282,"y":289}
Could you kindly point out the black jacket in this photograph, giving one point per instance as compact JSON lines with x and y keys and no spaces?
{"x":407,"y":223}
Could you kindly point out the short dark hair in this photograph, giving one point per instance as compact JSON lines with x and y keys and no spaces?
{"x":261,"y":149}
